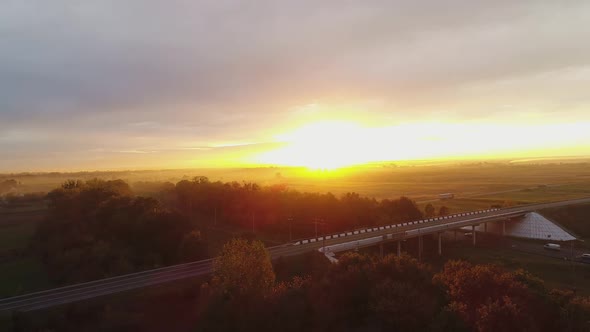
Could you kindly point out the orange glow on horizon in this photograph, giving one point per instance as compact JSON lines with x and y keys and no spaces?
{"x":329,"y":145}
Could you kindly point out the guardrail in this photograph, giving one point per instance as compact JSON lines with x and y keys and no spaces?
{"x":403,"y":234}
{"x":393,"y":226}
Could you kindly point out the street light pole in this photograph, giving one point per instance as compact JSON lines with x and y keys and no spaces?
{"x":573,"y":266}
{"x":320,"y":221}
{"x":324,"y":238}
{"x":316,"y":227}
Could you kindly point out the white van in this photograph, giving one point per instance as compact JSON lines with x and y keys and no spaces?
{"x":552,"y":246}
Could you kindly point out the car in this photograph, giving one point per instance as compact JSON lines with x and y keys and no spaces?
{"x":552,"y":246}
{"x":585,"y":257}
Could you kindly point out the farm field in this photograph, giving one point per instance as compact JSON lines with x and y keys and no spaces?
{"x":482,"y":180}
{"x":475,"y":186}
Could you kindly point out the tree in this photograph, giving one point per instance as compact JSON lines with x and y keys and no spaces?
{"x":192,"y":247}
{"x":444,"y":211}
{"x":244,"y":268}
{"x":574,"y":310}
{"x":404,"y":298}
{"x":429,"y":211}
{"x":8,"y":185}
{"x":489,"y":298}
{"x":508,"y":203}
{"x":97,"y":229}
{"x":237,"y":297}
{"x":400,"y":210}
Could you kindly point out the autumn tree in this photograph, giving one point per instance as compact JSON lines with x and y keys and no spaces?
{"x":429,"y":211}
{"x":97,"y":229}
{"x":244,"y":267}
{"x":348,"y":290}
{"x":192,"y":247}
{"x":508,"y":203}
{"x":400,"y":210}
{"x":404,"y":298}
{"x":444,"y":211}
{"x":489,"y":298}
{"x":574,"y":310}
{"x":288,"y":306}
{"x":236,"y":299}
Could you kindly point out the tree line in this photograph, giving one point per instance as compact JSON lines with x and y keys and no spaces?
{"x":277,"y":209}
{"x":367,"y":293}
{"x":359,"y":293}
{"x":99,"y":228}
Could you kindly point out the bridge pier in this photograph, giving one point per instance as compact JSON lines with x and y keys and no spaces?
{"x":440,"y":244}
{"x":399,"y":248}
{"x":381,"y":249}
{"x":503,"y":227}
{"x":455,"y":231}
{"x":485,"y":227}
{"x":473,"y":233}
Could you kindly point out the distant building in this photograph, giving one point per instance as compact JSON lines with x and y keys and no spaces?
{"x":446,"y":196}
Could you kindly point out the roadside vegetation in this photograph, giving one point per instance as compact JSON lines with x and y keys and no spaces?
{"x":575,"y":218}
{"x":359,"y":293}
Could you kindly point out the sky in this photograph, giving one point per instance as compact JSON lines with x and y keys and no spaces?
{"x":115,"y":84}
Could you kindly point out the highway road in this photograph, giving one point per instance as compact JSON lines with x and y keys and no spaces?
{"x":73,"y":293}
{"x":536,"y":248}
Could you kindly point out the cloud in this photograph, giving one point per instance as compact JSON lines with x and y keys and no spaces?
{"x":136,"y":75}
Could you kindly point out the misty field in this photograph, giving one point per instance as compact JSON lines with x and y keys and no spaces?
{"x":488,"y":181}
{"x":475,"y":186}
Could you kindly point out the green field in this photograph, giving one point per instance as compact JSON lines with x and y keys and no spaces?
{"x":556,"y":273}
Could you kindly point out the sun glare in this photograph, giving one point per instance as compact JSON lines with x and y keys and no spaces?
{"x":331,"y":145}
{"x":319,"y":146}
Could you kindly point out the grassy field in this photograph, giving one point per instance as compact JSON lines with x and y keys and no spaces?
{"x":420,"y":181}
{"x":556,"y":273}
{"x":574,"y":218}
{"x":476,"y":185}
{"x":543,"y":194}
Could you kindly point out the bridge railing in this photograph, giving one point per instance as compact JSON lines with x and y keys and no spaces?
{"x":390,"y":226}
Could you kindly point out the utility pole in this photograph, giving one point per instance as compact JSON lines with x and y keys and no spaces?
{"x":319,"y":221}
{"x":573,"y":267}
{"x":316,"y":229}
{"x":324,"y":238}
{"x":290,"y":220}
